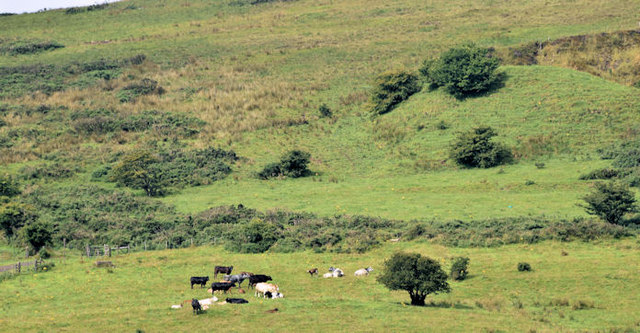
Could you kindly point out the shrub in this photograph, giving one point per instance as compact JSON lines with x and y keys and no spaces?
{"x":524,"y":267}
{"x":255,"y":237}
{"x":459,"y":268}
{"x":606,"y":173}
{"x":610,"y":202}
{"x":9,"y":187}
{"x":14,"y":216}
{"x":27,"y":47}
{"x":134,"y":90}
{"x":392,"y":88}
{"x":325,"y":112}
{"x":540,"y":165}
{"x":38,"y":235}
{"x":582,"y":305}
{"x":463,"y":71}
{"x":477,"y":149}
{"x":292,"y":164}
{"x":44,"y":253}
{"x":418,"y":275}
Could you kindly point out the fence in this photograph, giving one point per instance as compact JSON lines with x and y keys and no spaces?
{"x":22,"y":266}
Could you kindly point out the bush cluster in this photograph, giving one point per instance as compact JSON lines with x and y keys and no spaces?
{"x":20,"y":47}
{"x":145,"y":87}
{"x":476,"y":149}
{"x":390,"y":89}
{"x":102,"y":121}
{"x":293,"y":164}
{"x":459,"y":268}
{"x":78,"y":10}
{"x":463,"y":71}
{"x":153,"y":172}
{"x":524,"y":267}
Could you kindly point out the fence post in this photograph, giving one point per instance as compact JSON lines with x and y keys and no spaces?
{"x":166,"y":244}
{"x":35,"y":265}
{"x":191,"y":241}
{"x":88,"y":251}
{"x":18,"y":267}
{"x":26,"y":252}
{"x":64,"y":249}
{"x":145,"y":245}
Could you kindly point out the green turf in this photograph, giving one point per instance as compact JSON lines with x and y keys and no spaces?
{"x":138,"y":293}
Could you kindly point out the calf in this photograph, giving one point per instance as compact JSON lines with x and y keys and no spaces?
{"x":258,"y":278}
{"x":224,"y":286}
{"x":237,"y":301}
{"x":222,"y":269}
{"x":313,"y":271}
{"x":196,"y":306}
{"x":238,"y":278}
{"x":201,"y":280}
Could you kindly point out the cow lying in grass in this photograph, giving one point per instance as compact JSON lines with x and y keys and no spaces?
{"x":333,"y":272}
{"x":237,"y":301}
{"x":201,"y":280}
{"x":224,"y":286}
{"x":363,"y":271}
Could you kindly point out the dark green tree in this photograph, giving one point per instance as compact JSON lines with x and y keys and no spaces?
{"x":463,"y":70}
{"x":38,"y":235}
{"x":14,"y":216}
{"x":476,"y":149}
{"x":139,"y":170}
{"x":418,"y":275}
{"x":390,"y":89}
{"x":610,"y":202}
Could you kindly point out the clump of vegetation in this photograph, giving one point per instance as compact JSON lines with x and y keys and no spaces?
{"x":49,"y":171}
{"x":524,"y":267}
{"x":78,"y":10}
{"x":19,"y":47}
{"x":15,"y":215}
{"x":144,"y":87}
{"x":390,"y":89}
{"x":325,"y":112}
{"x":463,"y":71}
{"x":9,"y":186}
{"x":610,"y":202}
{"x":476,"y":149}
{"x":606,"y":173}
{"x":582,"y":304}
{"x":293,"y":164}
{"x":459,"y":268}
{"x":255,"y":237}
{"x":153,"y":172}
{"x":37,"y":235}
{"x":418,"y":275}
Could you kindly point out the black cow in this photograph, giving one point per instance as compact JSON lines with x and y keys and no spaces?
{"x":196,"y":306}
{"x":237,"y":300}
{"x":222,"y":269}
{"x":201,"y":280}
{"x":257,"y":279}
{"x":224,"y":286}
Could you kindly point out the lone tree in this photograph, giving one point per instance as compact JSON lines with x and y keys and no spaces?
{"x":138,"y":170}
{"x":418,"y":275}
{"x":610,"y":201}
{"x":463,"y":71}
{"x":476,"y":149}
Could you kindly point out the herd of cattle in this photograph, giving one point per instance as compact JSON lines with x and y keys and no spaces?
{"x":258,"y":282}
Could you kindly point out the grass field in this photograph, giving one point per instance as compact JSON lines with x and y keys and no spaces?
{"x":256,"y":75}
{"x":75,"y":296}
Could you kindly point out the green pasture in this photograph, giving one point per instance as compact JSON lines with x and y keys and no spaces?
{"x":137,"y":294}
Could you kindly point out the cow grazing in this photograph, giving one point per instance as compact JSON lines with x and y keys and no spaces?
{"x":224,"y":286}
{"x":264,"y":288}
{"x":258,"y":278}
{"x":196,"y":306}
{"x":313,"y":271}
{"x":201,"y":280}
{"x":237,"y":301}
{"x":238,"y":278}
{"x":222,"y":269}
{"x":363,"y":271}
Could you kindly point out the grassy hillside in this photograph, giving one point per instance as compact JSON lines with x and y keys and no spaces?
{"x":76,"y":296}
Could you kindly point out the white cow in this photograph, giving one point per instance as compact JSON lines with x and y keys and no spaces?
{"x":363,"y":271}
{"x":176,"y":306}
{"x":263,"y":288}
{"x":333,"y":272}
{"x":208,"y":301}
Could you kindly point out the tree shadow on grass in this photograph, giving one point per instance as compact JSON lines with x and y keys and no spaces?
{"x":440,"y":304}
